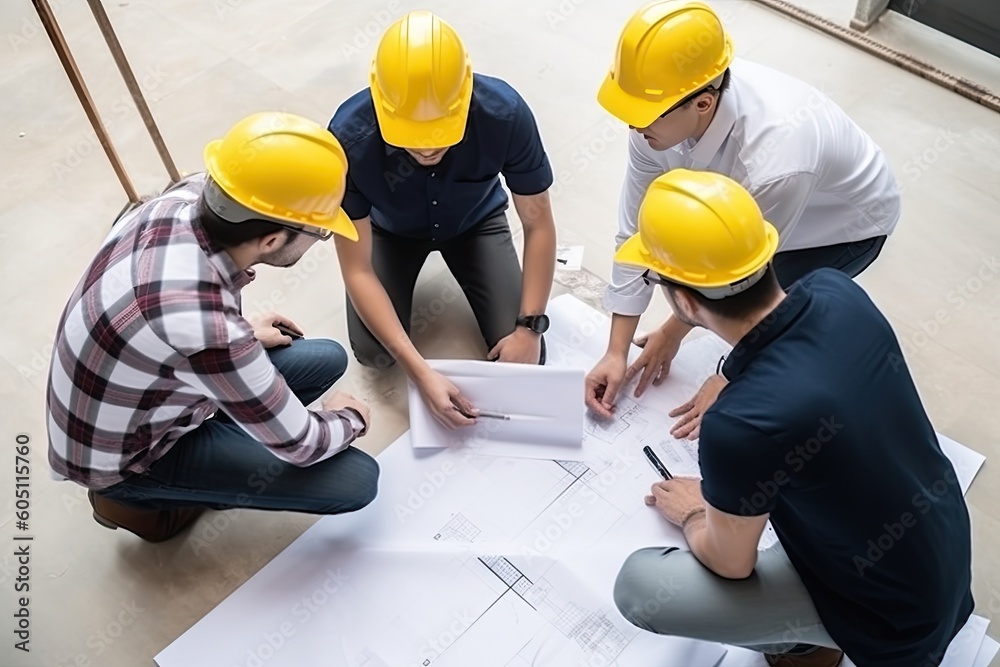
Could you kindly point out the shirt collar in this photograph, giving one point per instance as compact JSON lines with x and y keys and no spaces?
{"x":766,"y":331}
{"x":718,"y":130}
{"x":231,"y":274}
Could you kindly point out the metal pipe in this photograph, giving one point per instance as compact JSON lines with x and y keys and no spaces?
{"x":72,"y":71}
{"x":133,"y":87}
{"x":968,"y":89}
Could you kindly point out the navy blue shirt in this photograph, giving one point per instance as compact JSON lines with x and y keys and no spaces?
{"x":821,"y":426}
{"x":440,"y":202}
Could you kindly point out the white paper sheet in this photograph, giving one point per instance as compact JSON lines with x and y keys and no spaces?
{"x":545,"y":405}
{"x":966,"y":461}
{"x":461,"y":560}
{"x":987,"y":652}
{"x":569,"y":257}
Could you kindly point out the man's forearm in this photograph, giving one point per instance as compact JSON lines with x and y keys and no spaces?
{"x":539,"y":267}
{"x":696,"y":532}
{"x":622,"y":332}
{"x":378,"y":314}
{"x":705,"y":549}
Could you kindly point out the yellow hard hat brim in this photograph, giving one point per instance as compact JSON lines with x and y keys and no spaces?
{"x":438,"y":133}
{"x":632,"y":110}
{"x":340,"y":224}
{"x":343,"y":226}
{"x":634,"y":253}
{"x":211,"y":155}
{"x":429,"y":134}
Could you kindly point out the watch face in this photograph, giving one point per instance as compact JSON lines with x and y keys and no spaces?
{"x":541,"y":324}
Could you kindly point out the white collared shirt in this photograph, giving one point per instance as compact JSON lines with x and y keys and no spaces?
{"x":816,"y":175}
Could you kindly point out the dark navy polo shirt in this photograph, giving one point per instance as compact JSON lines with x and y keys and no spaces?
{"x":440,"y":202}
{"x":822,"y":427}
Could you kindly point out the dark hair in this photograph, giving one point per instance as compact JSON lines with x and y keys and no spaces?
{"x":225,"y":234}
{"x":723,"y":87}
{"x":739,"y":306}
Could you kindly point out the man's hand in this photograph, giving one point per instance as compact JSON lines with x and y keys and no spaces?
{"x":689,"y":424}
{"x":602,"y":384}
{"x":264,"y":331}
{"x":446,"y":401}
{"x":340,"y":400}
{"x":523,"y":346}
{"x":658,"y":349}
{"x":678,"y":499}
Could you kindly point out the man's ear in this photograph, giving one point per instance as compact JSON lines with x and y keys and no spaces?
{"x":706,"y":102}
{"x":271,"y":242}
{"x":687,"y":304}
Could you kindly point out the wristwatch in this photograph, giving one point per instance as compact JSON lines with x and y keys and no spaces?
{"x":537,"y":323}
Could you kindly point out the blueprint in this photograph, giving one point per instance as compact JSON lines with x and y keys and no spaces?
{"x":470,"y":559}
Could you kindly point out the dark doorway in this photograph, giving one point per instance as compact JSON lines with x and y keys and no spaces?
{"x":974,"y":21}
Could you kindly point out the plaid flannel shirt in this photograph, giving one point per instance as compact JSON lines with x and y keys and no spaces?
{"x":152,"y":343}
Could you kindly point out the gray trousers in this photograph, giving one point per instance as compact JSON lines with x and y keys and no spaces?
{"x":483,"y":262}
{"x":669,"y":592}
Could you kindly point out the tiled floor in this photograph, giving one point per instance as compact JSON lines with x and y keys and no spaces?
{"x":103,"y":598}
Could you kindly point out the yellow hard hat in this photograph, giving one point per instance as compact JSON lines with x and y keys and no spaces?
{"x":703,"y":230}
{"x":286,"y":168}
{"x":668,"y":50}
{"x":421,"y":83}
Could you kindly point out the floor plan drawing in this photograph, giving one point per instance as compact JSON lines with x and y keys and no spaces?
{"x":467,"y":559}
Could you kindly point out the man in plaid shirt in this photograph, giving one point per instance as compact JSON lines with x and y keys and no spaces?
{"x":162,"y":399}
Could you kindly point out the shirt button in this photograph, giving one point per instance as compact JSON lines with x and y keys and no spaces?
{"x":433,"y":174}
{"x":436,"y":226}
{"x":434,"y":202}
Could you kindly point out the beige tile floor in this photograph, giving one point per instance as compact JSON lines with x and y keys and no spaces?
{"x":105,"y":598}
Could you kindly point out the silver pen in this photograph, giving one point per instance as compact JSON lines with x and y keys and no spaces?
{"x":486,"y":414}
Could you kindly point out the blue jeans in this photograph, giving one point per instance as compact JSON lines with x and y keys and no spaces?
{"x":850,"y":258}
{"x":219,"y":466}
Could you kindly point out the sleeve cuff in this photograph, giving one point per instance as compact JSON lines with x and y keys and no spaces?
{"x":530,"y":183}
{"x":630,"y":305}
{"x":355,"y":421}
{"x":356,"y":206}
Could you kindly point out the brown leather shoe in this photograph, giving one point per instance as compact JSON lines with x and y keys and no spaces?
{"x":150,"y":525}
{"x":822,"y":657}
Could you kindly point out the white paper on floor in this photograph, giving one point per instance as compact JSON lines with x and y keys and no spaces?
{"x":543,"y":405}
{"x":469,"y":559}
{"x":569,"y":257}
{"x":987,"y":652}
